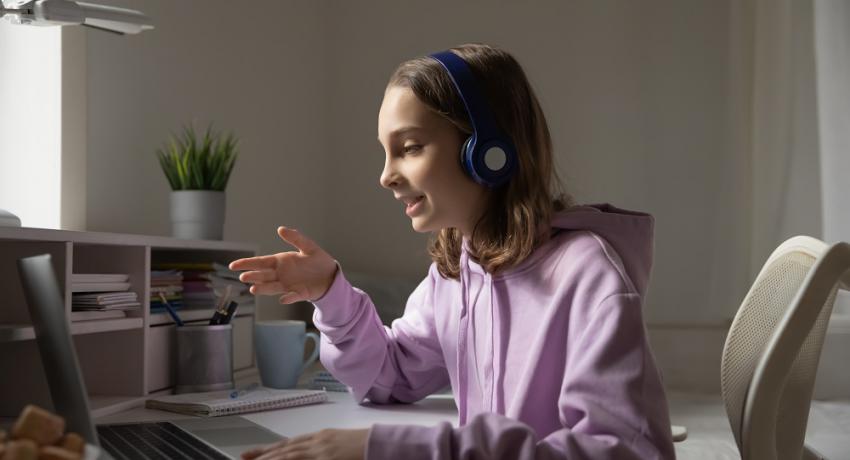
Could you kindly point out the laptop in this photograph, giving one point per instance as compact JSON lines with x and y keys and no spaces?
{"x":207,"y":438}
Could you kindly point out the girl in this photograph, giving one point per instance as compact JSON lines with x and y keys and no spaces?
{"x":531,"y":309}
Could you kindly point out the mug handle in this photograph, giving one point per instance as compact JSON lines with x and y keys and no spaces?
{"x":315,"y":337}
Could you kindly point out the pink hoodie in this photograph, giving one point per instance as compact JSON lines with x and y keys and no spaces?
{"x":548,"y":360}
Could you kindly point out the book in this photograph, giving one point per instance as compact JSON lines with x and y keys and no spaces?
{"x":104,"y":301}
{"x":111,"y":306}
{"x":104,"y":297}
{"x":99,"y":277}
{"x":216,"y":403}
{"x":324,"y":380}
{"x":170,"y":289}
{"x":99,"y":287}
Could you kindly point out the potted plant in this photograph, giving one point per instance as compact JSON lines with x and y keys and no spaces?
{"x":198,"y":170}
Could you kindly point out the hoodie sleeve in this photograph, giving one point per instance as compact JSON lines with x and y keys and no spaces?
{"x":402,"y":363}
{"x":611,"y":405}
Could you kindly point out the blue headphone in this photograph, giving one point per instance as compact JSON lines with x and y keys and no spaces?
{"x":488,"y":155}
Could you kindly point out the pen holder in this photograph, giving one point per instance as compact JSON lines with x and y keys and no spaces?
{"x":204,"y":358}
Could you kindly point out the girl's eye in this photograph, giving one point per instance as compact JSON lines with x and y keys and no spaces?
{"x":411,"y":148}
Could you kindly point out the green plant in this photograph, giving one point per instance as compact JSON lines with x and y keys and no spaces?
{"x":190,"y":163}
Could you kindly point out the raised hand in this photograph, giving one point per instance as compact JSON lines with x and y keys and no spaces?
{"x":305,"y":274}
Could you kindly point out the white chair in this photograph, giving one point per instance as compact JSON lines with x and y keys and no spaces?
{"x":772,"y":350}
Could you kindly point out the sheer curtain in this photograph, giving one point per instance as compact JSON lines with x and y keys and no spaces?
{"x":800,"y":124}
{"x":785,"y":154}
{"x":799,"y":133}
{"x":832,"y":57}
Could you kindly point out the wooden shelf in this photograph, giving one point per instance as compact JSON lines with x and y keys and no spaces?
{"x":122,"y":360}
{"x":119,"y":239}
{"x":14,"y":332}
{"x":105,"y":325}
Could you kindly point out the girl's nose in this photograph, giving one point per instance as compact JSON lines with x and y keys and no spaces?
{"x":389,"y":177}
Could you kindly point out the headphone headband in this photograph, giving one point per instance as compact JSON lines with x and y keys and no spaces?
{"x":489,"y":155}
{"x":480,"y":115}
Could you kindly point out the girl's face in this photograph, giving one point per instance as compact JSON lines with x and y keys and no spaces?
{"x":422,"y":166}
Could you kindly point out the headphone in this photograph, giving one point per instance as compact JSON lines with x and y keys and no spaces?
{"x":488,"y":155}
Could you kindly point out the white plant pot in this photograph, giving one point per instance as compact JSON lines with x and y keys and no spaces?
{"x":197,"y":214}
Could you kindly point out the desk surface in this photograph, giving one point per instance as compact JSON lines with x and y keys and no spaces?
{"x":341,"y":411}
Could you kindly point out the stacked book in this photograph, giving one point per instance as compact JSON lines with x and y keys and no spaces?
{"x":101,"y":296}
{"x":204,"y":283}
{"x":168,"y":284}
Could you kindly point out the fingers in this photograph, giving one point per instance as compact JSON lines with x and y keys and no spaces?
{"x":297,"y":239}
{"x":301,"y":439}
{"x":268,"y":288}
{"x":257,"y":451}
{"x":258,"y":276}
{"x":294,"y":448}
{"x":251,"y":454}
{"x":254,"y":263}
{"x":288,"y":453}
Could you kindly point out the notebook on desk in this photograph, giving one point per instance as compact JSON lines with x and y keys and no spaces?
{"x":215,"y":403}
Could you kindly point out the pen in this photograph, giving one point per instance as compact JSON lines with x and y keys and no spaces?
{"x":220,"y":310}
{"x":242,"y":391}
{"x":230,"y":310}
{"x":171,"y":311}
{"x":222,"y":301}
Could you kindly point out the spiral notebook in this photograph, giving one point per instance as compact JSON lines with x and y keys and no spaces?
{"x":216,"y":403}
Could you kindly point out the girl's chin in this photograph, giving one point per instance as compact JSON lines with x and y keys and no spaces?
{"x":420,"y":225}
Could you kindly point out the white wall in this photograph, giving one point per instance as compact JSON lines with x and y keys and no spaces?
{"x":637,"y":95}
{"x":256,"y":69}
{"x":645,"y":100}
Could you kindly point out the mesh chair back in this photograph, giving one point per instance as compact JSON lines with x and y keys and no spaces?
{"x":767,"y":302}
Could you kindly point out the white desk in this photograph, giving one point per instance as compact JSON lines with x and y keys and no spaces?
{"x":339,"y":412}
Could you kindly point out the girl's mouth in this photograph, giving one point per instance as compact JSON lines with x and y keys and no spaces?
{"x":415,"y":206}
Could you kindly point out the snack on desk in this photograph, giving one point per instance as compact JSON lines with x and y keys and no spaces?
{"x":21,"y":449}
{"x":40,"y":434}
{"x":39,"y":425}
{"x":73,"y":442}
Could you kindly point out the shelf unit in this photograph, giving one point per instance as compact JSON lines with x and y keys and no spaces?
{"x":123,"y":360}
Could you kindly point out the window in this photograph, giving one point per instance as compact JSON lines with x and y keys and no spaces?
{"x":30,"y":123}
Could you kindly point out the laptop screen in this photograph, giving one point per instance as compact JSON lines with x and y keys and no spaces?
{"x":47,"y":311}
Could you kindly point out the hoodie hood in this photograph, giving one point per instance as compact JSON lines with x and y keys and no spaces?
{"x":630,"y":233}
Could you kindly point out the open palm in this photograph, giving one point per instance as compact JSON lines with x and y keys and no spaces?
{"x":304,"y":274}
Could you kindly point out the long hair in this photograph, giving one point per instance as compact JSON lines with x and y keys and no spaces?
{"x":518,"y":215}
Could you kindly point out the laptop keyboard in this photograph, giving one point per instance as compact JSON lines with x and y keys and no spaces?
{"x":156,"y":440}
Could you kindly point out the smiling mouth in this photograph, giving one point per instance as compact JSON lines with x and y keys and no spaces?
{"x":416,"y":200}
{"x":414,"y":207}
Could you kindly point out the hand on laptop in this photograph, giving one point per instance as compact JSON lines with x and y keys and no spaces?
{"x":305,"y":274}
{"x":324,"y":445}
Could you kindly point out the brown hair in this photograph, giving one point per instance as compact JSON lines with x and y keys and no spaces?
{"x":518,"y":214}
